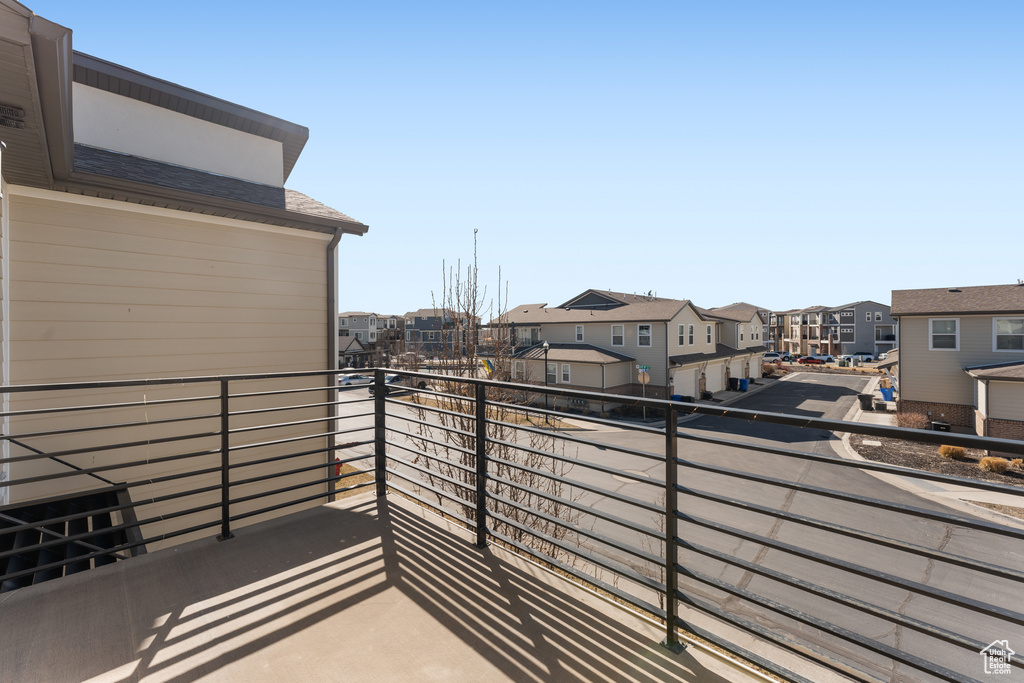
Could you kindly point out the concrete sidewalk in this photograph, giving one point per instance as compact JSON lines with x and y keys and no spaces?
{"x":957,"y":497}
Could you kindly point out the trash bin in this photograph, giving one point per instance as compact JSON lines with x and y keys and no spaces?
{"x":843,"y":363}
{"x":865,"y":401}
{"x":677,"y":397}
{"x":886,"y":393}
{"x":706,"y":395}
{"x":744,"y":384}
{"x":880,"y":405}
{"x":940,"y":426}
{"x":734,"y":384}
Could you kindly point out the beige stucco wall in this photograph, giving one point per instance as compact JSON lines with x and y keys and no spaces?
{"x":108,"y":121}
{"x":104,"y":290}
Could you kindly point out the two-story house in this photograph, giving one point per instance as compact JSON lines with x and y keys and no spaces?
{"x":432,"y":332}
{"x":597,"y":340}
{"x":962,"y":356}
{"x":359,"y":324}
{"x":862,"y":326}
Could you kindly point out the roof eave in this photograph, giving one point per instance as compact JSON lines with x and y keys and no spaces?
{"x":142,"y":193}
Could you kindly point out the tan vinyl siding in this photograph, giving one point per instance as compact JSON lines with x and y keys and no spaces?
{"x":687,"y":317}
{"x":938,"y":376}
{"x":102,"y":290}
{"x":1005,"y":400}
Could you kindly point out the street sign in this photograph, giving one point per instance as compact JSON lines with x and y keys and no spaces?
{"x":643,"y":368}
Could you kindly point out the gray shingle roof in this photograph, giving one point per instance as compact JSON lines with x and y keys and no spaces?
{"x":633,"y":308}
{"x":1005,"y":371}
{"x":986,"y":299}
{"x":739,"y":312}
{"x":721,"y":351}
{"x":573,"y":353}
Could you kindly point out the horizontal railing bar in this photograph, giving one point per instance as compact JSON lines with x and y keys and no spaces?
{"x":431,"y":473}
{"x":115,"y":466}
{"x":636,"y":478}
{"x":531,"y":410}
{"x":432,"y":505}
{"x":834,"y":630}
{"x":947,"y":518}
{"x":565,"y":436}
{"x":298,"y":406}
{"x":293,"y":439}
{"x":105,"y":406}
{"x":625,"y":573}
{"x":835,"y":596}
{"x":587,"y":509}
{"x":434,"y":425}
{"x":300,"y":501}
{"x":284,"y":473}
{"x":772,"y":637}
{"x":94,"y":428}
{"x":435,"y":491}
{"x":859,"y":570}
{"x":864,"y":465}
{"x":601,"y":538}
{"x":426,"y":439}
{"x":111,"y":447}
{"x":583,"y":487}
{"x":869,"y":537}
{"x":587,"y":579}
{"x":280,"y":425}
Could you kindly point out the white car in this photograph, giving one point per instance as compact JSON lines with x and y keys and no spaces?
{"x":353,"y":380}
{"x":771,"y":357}
{"x":862,"y":356}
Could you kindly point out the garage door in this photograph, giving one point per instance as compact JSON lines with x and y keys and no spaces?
{"x":684,"y":382}
{"x":716,"y":377}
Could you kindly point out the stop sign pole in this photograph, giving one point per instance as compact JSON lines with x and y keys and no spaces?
{"x":643,"y":376}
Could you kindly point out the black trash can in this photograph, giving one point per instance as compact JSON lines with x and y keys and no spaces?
{"x":938,"y":426}
{"x":865,"y":401}
{"x":734,"y":384}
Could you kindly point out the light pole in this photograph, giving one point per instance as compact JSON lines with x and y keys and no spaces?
{"x":546,"y":347}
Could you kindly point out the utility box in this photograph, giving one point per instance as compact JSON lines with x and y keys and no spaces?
{"x":940,"y":426}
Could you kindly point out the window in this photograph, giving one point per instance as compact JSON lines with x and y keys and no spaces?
{"x":878,"y":317}
{"x":643,"y":335}
{"x":519,"y":371}
{"x":552,"y":374}
{"x":847,"y":314}
{"x":344,"y":322}
{"x":944,"y":334}
{"x":430,"y":335}
{"x":565,"y":373}
{"x":682,"y":335}
{"x":373,"y":336}
{"x":709,"y":334}
{"x":741,"y":333}
{"x":689,"y":334}
{"x":847,"y":330}
{"x":867,"y":316}
{"x":373,"y":322}
{"x":408,"y":335}
{"x":1009,"y":334}
{"x":359,"y":336}
{"x":618,"y":334}
{"x":391,"y":323}
{"x":579,"y":333}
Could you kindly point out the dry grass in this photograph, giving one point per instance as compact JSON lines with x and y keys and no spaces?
{"x":912,"y":421}
{"x":998,"y":465}
{"x":953,"y":452}
{"x":1018,"y":463}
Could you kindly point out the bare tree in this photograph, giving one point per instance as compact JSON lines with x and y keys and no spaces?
{"x":523,"y":480}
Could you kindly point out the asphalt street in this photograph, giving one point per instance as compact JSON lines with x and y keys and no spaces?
{"x":713,"y":469}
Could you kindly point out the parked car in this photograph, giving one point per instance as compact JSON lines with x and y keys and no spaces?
{"x":883,"y":355}
{"x":862,"y":356}
{"x":353,"y":380}
{"x":771,"y":357}
{"x":814,"y":360}
{"x":389,"y":381}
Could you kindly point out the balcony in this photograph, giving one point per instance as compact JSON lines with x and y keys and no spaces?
{"x":457,"y":533}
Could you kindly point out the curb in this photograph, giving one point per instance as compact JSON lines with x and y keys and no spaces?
{"x":933,"y":491}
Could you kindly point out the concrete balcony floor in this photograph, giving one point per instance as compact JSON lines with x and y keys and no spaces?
{"x":358,"y":590}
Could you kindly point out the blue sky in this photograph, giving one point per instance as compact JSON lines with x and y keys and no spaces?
{"x":784,"y":154}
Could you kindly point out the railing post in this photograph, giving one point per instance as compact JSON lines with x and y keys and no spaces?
{"x":671,"y":499}
{"x":225,"y":463}
{"x":481,"y":465}
{"x":379,"y":458}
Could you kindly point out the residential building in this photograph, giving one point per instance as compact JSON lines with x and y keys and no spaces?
{"x":432,"y":332}
{"x":862,"y":326}
{"x":961,"y":356}
{"x":147,"y":232}
{"x":598,"y":339}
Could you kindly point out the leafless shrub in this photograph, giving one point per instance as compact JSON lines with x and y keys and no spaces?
{"x":912,"y":420}
{"x":1018,"y":463}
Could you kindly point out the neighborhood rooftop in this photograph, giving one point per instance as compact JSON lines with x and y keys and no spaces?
{"x":985,"y":299}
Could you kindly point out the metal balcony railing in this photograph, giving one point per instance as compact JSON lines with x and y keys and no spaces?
{"x":703,"y":525}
